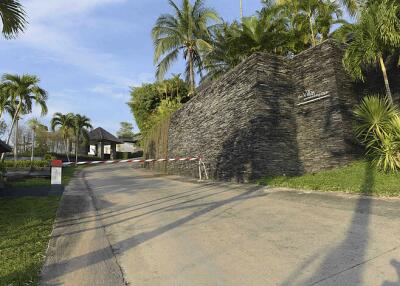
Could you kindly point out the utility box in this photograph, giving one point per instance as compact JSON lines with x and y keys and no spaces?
{"x":56,"y":172}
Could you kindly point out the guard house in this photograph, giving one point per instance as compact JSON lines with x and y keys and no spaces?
{"x":103,"y":144}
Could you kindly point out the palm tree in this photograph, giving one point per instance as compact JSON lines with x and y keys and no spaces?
{"x":81,"y":123}
{"x":351,"y":5}
{"x":5,"y":101}
{"x":13,"y":17}
{"x":33,"y":123}
{"x":376,"y":34}
{"x":24,"y":91}
{"x":186,"y":31}
{"x":66,"y":124}
{"x":310,"y":21}
{"x":232,"y":43}
{"x":225,"y":53}
{"x":176,"y":82}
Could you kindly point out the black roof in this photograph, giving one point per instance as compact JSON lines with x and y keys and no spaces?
{"x":99,"y":134}
{"x":4,"y":147}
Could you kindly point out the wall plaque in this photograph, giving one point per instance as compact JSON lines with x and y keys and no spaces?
{"x":309,"y":96}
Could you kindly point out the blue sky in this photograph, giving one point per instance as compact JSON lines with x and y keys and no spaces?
{"x":89,"y":52}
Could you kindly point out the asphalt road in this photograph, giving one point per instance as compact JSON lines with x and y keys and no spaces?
{"x":124,"y":226}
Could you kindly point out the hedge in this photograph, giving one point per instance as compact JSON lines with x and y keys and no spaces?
{"x":26,"y":164}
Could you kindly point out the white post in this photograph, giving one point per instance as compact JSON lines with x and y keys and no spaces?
{"x":56,"y":172}
{"x":199,"y":169}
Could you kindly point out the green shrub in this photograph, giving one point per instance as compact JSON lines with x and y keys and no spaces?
{"x":49,"y":157}
{"x":26,"y":164}
{"x":378,"y":128}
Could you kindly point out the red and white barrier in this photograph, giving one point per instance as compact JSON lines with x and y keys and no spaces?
{"x":202,"y":166}
{"x":131,"y":161}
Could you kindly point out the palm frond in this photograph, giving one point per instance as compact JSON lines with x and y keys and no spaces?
{"x":13,"y":17}
{"x":165,"y":63}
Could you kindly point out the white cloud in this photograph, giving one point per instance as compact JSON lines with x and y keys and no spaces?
{"x":111,"y":90}
{"x":44,"y":9}
{"x":53,"y":34}
{"x":47,"y":33}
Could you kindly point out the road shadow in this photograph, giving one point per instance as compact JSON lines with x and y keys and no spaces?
{"x":396,"y":264}
{"x":58,"y":269}
{"x":348,"y":255}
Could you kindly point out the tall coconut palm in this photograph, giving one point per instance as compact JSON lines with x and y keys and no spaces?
{"x":66,"y":124}
{"x":13,"y":18}
{"x":376,"y":34}
{"x":24,"y":91}
{"x":241,"y":9}
{"x":81,"y":124}
{"x":33,"y":123}
{"x":184,"y":32}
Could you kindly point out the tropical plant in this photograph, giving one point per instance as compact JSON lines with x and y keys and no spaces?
{"x":232,"y":43}
{"x":66,"y":125}
{"x":13,"y":18}
{"x":378,"y":128}
{"x":225,"y":54}
{"x":281,"y":27}
{"x":374,"y":36}
{"x":146,"y":98}
{"x":352,"y":6}
{"x":24,"y":91}
{"x":186,"y":32}
{"x":310,"y":21}
{"x":126,"y":130}
{"x":80,"y":125}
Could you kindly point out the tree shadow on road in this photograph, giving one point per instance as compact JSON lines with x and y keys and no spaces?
{"x":396,"y":264}
{"x":58,"y":269}
{"x":349,"y":255}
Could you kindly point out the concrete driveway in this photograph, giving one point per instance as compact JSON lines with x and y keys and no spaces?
{"x":159,"y":230}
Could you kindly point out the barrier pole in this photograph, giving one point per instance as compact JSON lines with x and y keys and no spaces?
{"x":205,"y":169}
{"x":200,"y":171}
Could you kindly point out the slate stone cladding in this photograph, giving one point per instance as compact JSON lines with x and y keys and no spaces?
{"x":253,"y":121}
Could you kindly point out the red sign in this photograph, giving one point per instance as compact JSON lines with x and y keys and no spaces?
{"x":56,"y":163}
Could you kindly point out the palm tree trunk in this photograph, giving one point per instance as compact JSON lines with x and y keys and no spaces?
{"x":385,"y":78}
{"x":33,"y":147}
{"x":12,"y":127}
{"x":13,"y":122}
{"x":16,"y":143}
{"x":241,"y":10}
{"x":191,"y":72}
{"x":67,"y":148}
{"x":76,"y":149}
{"x":313,"y":42}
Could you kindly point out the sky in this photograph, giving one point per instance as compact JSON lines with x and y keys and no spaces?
{"x":88,"y":53}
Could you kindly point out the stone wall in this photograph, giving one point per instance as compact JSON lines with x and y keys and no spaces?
{"x":324,"y":127}
{"x":269,"y":116}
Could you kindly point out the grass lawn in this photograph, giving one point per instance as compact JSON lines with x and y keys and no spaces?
{"x":358,"y":177}
{"x":25,"y":227}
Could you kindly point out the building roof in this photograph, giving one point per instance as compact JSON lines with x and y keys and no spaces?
{"x":101,"y":135}
{"x":4,"y":147}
